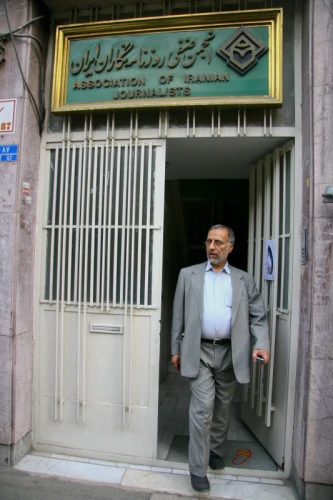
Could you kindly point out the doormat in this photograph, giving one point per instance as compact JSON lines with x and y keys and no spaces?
{"x":239,"y":454}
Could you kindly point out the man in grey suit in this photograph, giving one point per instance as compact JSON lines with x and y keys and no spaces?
{"x":218,"y":319}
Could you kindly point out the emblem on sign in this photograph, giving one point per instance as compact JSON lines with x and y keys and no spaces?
{"x":242,"y":51}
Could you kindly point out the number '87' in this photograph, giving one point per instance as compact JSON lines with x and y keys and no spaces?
{"x":5,"y":126}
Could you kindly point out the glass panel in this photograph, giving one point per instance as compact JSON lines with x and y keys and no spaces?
{"x":288,"y":188}
{"x":279,"y":274}
{"x":264,"y":202}
{"x":114,"y":175}
{"x":152,"y":190}
{"x":51,"y":185}
{"x":254,"y":208}
{"x":281,"y":192}
{"x":145,"y":186}
{"x":47,"y":265}
{"x":59,"y":182}
{"x":272,"y":196}
{"x":285,"y":303}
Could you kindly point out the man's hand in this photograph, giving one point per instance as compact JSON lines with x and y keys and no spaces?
{"x":263,"y":353}
{"x":175,"y":360}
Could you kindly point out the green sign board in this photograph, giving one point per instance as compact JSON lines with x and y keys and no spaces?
{"x":215,"y":64}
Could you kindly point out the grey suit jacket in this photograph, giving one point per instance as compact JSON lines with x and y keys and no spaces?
{"x":249,"y":323}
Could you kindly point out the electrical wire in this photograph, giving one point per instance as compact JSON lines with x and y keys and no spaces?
{"x":39,"y":116}
{"x":33,"y":38}
{"x":23,"y":26}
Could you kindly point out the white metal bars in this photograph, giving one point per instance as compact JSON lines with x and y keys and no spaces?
{"x":93,"y":223}
{"x":270,"y":218}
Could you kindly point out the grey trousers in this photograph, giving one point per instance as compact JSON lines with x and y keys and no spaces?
{"x":212,"y":392}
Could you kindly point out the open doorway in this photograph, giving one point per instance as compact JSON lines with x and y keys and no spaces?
{"x":207,"y":182}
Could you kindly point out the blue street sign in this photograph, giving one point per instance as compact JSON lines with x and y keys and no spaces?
{"x":8,"y":152}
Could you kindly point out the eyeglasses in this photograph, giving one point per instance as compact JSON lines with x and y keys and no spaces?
{"x":216,"y":243}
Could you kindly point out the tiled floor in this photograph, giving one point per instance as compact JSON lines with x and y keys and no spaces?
{"x":153,"y":478}
{"x":174,"y":399}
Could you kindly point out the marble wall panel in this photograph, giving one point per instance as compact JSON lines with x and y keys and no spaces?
{"x":5,"y":389}
{"x":7,"y":229}
{"x":22,"y":380}
{"x":318,"y":459}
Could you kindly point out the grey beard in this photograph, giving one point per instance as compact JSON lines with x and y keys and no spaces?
{"x":214,"y":260}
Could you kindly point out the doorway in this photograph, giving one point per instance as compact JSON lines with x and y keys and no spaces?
{"x":196,"y":198}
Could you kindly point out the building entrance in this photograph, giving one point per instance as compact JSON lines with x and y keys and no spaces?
{"x":257,"y":204}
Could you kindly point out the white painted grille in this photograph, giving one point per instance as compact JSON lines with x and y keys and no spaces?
{"x":271,"y":185}
{"x":99,"y":223}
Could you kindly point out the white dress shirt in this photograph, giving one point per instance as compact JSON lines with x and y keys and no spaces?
{"x":217,"y":309}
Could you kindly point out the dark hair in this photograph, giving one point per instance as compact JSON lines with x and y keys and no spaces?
{"x":231,"y":234}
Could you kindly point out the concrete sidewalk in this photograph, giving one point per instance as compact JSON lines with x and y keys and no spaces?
{"x":45,"y":476}
{"x":17,"y":485}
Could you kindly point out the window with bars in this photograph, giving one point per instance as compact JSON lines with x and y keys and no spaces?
{"x":99,"y":224}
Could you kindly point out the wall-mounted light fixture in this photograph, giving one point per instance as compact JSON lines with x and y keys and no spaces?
{"x":328,"y":195}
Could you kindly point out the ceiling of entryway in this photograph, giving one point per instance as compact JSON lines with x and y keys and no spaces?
{"x":216,"y":158}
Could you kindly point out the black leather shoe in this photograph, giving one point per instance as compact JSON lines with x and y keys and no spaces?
{"x":216,"y":462}
{"x":200,"y":483}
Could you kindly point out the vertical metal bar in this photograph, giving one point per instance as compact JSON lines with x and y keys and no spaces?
{"x":85,"y":285}
{"x":54,"y":200}
{"x":71,"y":228}
{"x":193,"y":112}
{"x":132,"y":284}
{"x":59,"y":263}
{"x":274,"y":312}
{"x":80,"y":273}
{"x":166,"y":123}
{"x":123,"y":233}
{"x":264,"y":284}
{"x":77,"y":269}
{"x":265,"y":122}
{"x":142,"y":166}
{"x":238,"y":122}
{"x":127,"y":332}
{"x":188,"y":123}
{"x":136,"y":127}
{"x":105,"y":231}
{"x":250,"y":239}
{"x":283,"y":235}
{"x":101,"y":225}
{"x":148,"y":225}
{"x":63,"y":277}
{"x":93,"y":227}
{"x":212,"y":123}
{"x":116,"y":229}
{"x":108,"y":254}
{"x":259,"y":221}
{"x":219,"y":123}
{"x":244,"y":122}
{"x":59,"y":255}
{"x":258,"y":216}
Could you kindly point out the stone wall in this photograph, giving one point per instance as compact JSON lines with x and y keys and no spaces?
{"x":18,"y":232}
{"x":313,"y":431}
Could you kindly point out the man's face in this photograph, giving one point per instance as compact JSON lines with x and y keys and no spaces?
{"x":218,"y":247}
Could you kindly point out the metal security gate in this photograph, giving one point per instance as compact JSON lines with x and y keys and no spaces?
{"x":100,"y":295}
{"x":271,"y":213}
